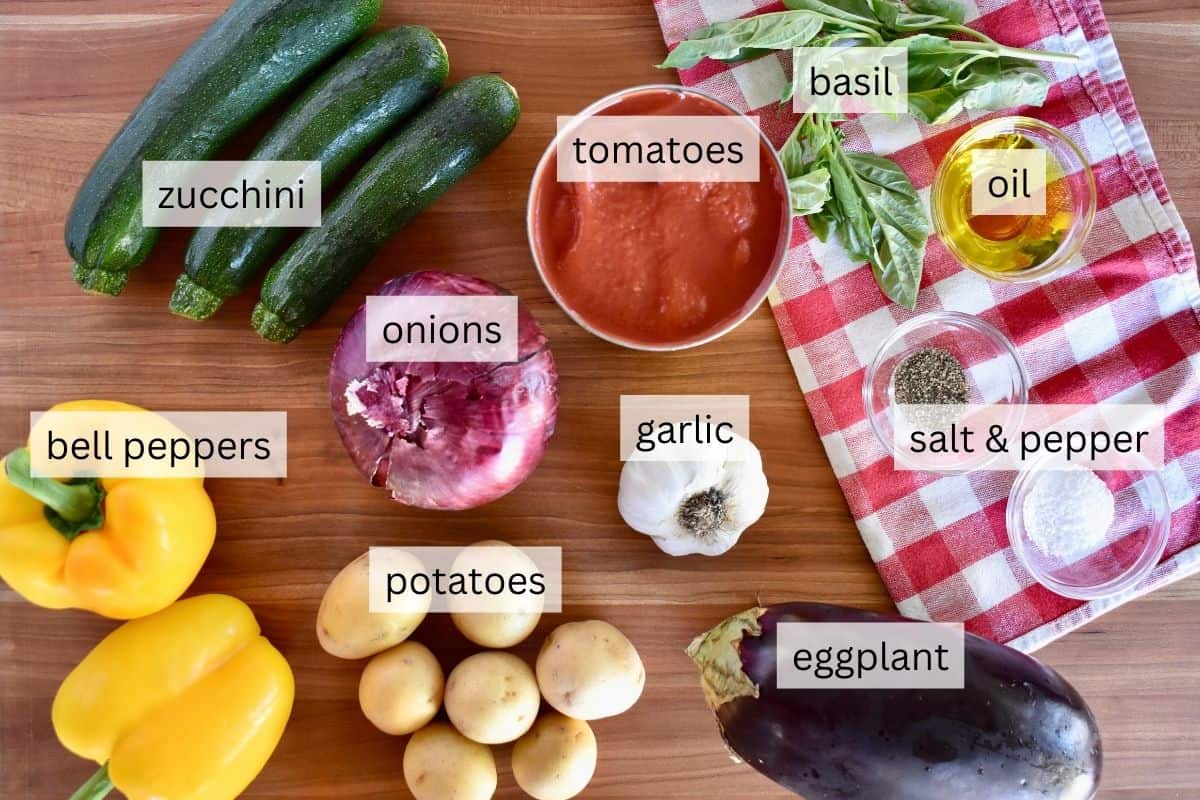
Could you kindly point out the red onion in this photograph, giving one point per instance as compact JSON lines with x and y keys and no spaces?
{"x":444,"y":435}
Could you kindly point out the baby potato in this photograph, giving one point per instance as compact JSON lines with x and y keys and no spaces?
{"x":515,"y":615}
{"x":440,"y":764}
{"x":401,"y":689}
{"x":589,"y":670}
{"x":492,"y":697}
{"x":556,"y":759}
{"x":346,"y":628}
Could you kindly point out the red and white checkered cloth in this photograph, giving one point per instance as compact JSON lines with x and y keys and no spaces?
{"x":1122,"y":326}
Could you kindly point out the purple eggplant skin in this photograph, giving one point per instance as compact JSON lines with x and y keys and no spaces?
{"x":1016,"y":731}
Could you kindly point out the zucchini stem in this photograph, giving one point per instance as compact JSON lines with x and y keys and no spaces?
{"x":271,"y":326}
{"x":100,"y":281}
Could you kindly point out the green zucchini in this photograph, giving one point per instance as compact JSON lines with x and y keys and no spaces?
{"x":378,"y":83}
{"x":253,"y":54}
{"x":440,"y":145}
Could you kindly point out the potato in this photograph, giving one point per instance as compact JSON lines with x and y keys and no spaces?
{"x":556,"y":759}
{"x":492,"y":697}
{"x":589,"y":670}
{"x":401,"y":689}
{"x":345,"y":626}
{"x":515,"y":616}
{"x":442,"y":764}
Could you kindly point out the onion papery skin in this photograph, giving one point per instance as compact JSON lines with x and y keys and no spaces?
{"x":449,"y":436}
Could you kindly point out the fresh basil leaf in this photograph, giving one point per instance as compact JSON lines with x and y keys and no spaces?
{"x":849,"y":204}
{"x":731,"y":40}
{"x":809,"y":192}
{"x":888,"y":11}
{"x":952,"y":10}
{"x":898,"y":17}
{"x":932,"y":60}
{"x":945,"y":78}
{"x":908,"y":22}
{"x":899,"y":226}
{"x":745,"y":54}
{"x":859,"y":12}
{"x":883,"y":181}
{"x":825,"y":137}
{"x":792,"y":155}
{"x":1014,"y":83}
{"x":898,"y":269}
{"x":822,"y":224}
{"x":807,"y":152}
{"x":804,"y":149}
{"x":941,"y":90}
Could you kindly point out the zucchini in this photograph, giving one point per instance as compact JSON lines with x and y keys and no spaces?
{"x":254,"y":53}
{"x":441,"y":144}
{"x":378,"y":83}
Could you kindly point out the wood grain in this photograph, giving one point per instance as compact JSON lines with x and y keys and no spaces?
{"x":74,"y":69}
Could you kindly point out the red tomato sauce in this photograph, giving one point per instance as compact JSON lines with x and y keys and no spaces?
{"x":659,"y":263}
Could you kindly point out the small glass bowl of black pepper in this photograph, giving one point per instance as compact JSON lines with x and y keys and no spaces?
{"x":941,"y":360}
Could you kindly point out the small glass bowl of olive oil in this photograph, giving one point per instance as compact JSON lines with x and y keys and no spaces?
{"x":1015,"y":246}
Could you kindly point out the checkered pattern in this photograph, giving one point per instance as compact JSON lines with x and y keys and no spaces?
{"x":1121,"y":326}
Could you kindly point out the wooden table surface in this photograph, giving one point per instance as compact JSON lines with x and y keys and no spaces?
{"x":73,"y":71}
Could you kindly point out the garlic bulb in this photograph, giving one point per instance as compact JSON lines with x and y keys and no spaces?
{"x":695,"y":506}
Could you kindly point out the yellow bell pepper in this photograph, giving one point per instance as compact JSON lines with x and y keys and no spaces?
{"x":185,"y":704}
{"x":121,"y":547}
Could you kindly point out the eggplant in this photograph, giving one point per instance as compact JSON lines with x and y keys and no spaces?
{"x":1016,"y":731}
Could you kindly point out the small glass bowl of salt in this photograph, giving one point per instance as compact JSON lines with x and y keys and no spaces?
{"x":1088,"y":534}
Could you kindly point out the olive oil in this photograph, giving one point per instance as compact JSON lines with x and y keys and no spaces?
{"x":1001,"y":243}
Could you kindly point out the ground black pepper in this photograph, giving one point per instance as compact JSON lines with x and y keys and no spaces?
{"x":932,"y":376}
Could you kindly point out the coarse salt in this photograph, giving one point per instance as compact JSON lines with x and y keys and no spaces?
{"x":1068,"y":512}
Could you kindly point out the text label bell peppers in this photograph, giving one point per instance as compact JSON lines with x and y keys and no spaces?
{"x":185,"y":704}
{"x":121,"y":547}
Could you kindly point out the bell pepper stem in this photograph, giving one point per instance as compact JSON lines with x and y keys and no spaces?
{"x":77,"y":505}
{"x":98,"y":786}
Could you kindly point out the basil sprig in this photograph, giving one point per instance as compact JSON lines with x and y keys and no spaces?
{"x":865,"y":199}
{"x":739,"y":39}
{"x":868,"y":201}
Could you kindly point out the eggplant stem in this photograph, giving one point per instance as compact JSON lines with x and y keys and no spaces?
{"x":717,"y":655}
